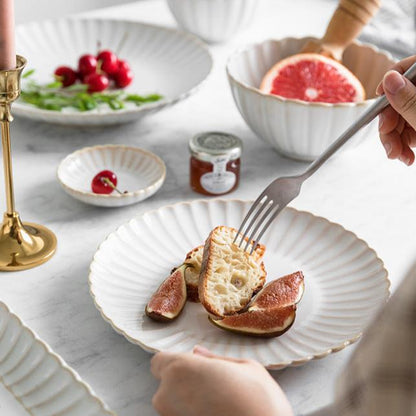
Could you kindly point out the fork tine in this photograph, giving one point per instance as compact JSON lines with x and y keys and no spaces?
{"x":271,"y":208}
{"x":254,"y":217}
{"x":266,"y":226}
{"x":246,"y":218}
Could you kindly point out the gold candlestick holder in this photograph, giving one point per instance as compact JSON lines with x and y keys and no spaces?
{"x":22,"y":245}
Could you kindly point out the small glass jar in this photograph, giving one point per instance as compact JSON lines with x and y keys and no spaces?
{"x":215,"y":163}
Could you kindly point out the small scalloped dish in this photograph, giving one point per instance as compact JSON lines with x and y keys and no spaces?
{"x":139,"y":172}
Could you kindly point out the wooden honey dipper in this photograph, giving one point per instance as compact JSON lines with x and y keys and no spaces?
{"x":346,"y":24}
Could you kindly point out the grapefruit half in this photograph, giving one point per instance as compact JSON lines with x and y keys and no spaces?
{"x":313,"y":77}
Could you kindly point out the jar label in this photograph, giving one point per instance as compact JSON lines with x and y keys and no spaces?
{"x":219,"y":180}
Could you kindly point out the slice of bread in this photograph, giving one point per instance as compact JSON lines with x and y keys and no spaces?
{"x":193,"y":261}
{"x":229,"y":275}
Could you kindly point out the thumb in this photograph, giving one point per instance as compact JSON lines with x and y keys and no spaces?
{"x":401,"y":94}
{"x":198,"y":350}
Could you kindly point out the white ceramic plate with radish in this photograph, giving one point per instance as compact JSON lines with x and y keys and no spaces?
{"x":164,"y":61}
{"x":345,"y":282}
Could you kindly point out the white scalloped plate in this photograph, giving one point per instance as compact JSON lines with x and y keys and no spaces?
{"x":164,"y":61}
{"x":345,"y":281}
{"x":40,"y":381}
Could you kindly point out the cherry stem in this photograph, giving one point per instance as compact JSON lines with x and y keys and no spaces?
{"x":98,"y":46}
{"x":111,"y":185}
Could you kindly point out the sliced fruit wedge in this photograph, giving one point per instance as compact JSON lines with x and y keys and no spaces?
{"x":313,"y":77}
{"x":271,"y":312}
{"x":285,"y":291}
{"x":265,"y":323}
{"x":169,"y":299}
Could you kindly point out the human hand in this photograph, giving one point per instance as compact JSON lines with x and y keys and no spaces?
{"x":204,"y":384}
{"x":397,"y":123}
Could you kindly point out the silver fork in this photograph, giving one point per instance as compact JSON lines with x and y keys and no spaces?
{"x":283,"y":190}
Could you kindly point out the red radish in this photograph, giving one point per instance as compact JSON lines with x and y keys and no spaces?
{"x":66,"y":75}
{"x":108,"y":62}
{"x":104,"y":182}
{"x":96,"y":82}
{"x":87,"y":64}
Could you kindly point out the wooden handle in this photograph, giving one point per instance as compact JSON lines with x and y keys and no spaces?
{"x":346,"y":24}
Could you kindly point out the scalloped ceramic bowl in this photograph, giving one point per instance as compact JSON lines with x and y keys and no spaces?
{"x":138,"y":171}
{"x":295,"y":128}
{"x":213,"y":20}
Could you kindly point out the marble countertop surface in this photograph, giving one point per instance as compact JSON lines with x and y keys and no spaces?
{"x":360,"y":189}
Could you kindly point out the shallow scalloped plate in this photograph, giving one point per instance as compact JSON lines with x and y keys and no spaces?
{"x":138,"y":171}
{"x":38,"y":378}
{"x":345,"y":282}
{"x":164,"y":61}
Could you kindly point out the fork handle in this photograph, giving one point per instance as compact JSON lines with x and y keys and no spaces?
{"x":376,"y":108}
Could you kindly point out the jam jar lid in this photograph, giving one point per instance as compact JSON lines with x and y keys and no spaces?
{"x":205,"y":146}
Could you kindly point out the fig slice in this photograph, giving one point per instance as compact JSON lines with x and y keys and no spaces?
{"x":265,"y":323}
{"x":285,"y":291}
{"x":169,"y":299}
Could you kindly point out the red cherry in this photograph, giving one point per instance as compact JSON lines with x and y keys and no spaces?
{"x":87,"y":64}
{"x":96,"y":82}
{"x":104,"y":182}
{"x":66,"y":75}
{"x":123,"y":65}
{"x":108,"y":62}
{"x":123,"y":77}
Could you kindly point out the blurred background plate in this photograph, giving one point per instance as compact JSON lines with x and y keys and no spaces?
{"x":39,"y":380}
{"x":164,"y":61}
{"x":345,"y":282}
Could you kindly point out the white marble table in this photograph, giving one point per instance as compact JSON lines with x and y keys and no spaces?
{"x":361,"y":189}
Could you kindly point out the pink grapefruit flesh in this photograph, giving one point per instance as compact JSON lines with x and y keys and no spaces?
{"x":313,"y":77}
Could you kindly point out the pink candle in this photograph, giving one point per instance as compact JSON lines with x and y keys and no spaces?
{"x":7,"y":50}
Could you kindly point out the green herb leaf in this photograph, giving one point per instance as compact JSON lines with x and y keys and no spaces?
{"x":28,"y":73}
{"x":54,"y":97}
